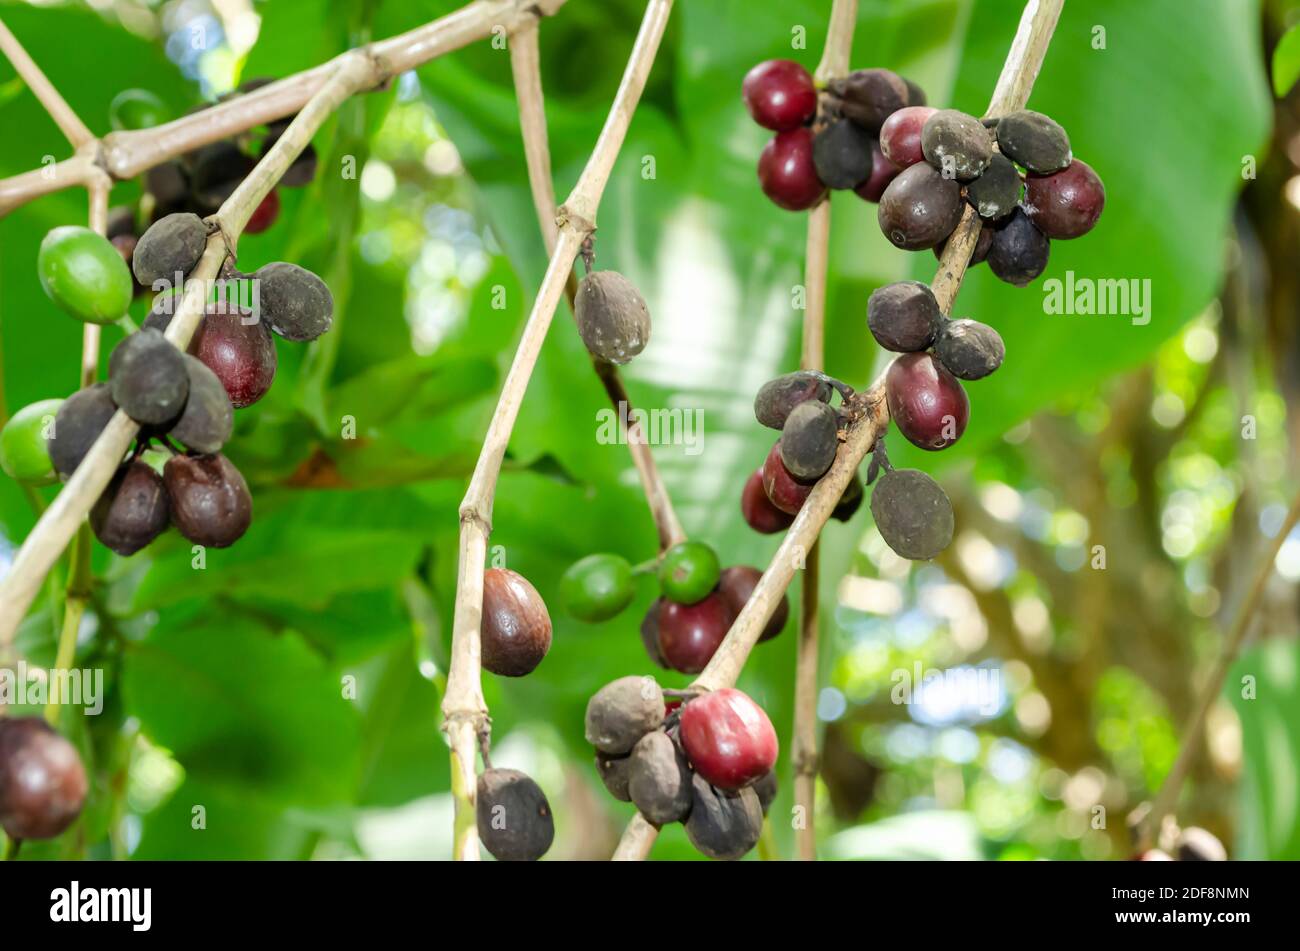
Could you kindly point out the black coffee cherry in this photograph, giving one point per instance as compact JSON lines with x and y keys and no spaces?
{"x":737,"y":584}
{"x":516,"y":628}
{"x":850,"y":501}
{"x":216,"y":172}
{"x":615,"y":772}
{"x":208,"y":418}
{"x":161,"y":312}
{"x":765,"y":787}
{"x":912,"y":513}
{"x":956,"y":145}
{"x":613,"y":319}
{"x":133,"y":510}
{"x":623,"y":711}
{"x":919,"y":208}
{"x":926,"y":402}
{"x":659,"y":780}
{"x":650,"y":634}
{"x":1019,"y":250}
{"x":969,"y":349}
{"x":1035,"y":141}
{"x":915,"y":94}
{"x":903,"y":316}
{"x":723,"y":825}
{"x":169,"y":250}
{"x":148,"y":379}
{"x":1197,"y":845}
{"x":1065,"y":204}
{"x":776,"y":398}
{"x":77,"y":424}
{"x":42,"y":782}
{"x":842,"y":154}
{"x":982,"y":245}
{"x":514,"y":819}
{"x":169,"y":184}
{"x":997,"y":191}
{"x":210,"y":501}
{"x":239,"y":349}
{"x":810,"y":440}
{"x":295,"y":303}
{"x":870,"y":96}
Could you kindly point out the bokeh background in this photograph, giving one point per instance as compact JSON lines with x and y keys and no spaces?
{"x":225,"y":684}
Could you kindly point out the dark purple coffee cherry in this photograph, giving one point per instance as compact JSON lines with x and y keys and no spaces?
{"x":776,"y":398}
{"x":208,"y":418}
{"x":514,"y":819}
{"x":883,"y":171}
{"x":1035,"y":141}
{"x":869,"y":96}
{"x":650,"y":634}
{"x":215,"y":172}
{"x":77,"y":424}
{"x":737,"y":584}
{"x":900,"y":136}
{"x":1019,"y":251}
{"x":161,"y":312}
{"x":758,"y":510}
{"x":168,"y":251}
{"x":659,"y":779}
{"x":810,"y":440}
{"x":919,"y":209}
{"x":956,"y":145}
{"x":927,"y":402}
{"x":787,"y":173}
{"x":623,"y":711}
{"x":133,"y":510}
{"x":969,"y":349}
{"x":612,"y":316}
{"x":997,"y":191}
{"x":169,"y":185}
{"x":1065,"y":204}
{"x":689,"y":634}
{"x":516,"y":631}
{"x":779,"y":94}
{"x":850,"y":501}
{"x":982,"y":245}
{"x":723,"y":825}
{"x":915,"y":94}
{"x":903,"y":316}
{"x":238,"y":348}
{"x":782,"y":488}
{"x":842,"y":154}
{"x":148,"y":379}
{"x":295,"y":303}
{"x":42,"y":782}
{"x":210,"y":501}
{"x":615,"y":772}
{"x":912,"y":513}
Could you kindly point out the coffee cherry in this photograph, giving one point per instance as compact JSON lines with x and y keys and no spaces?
{"x":776,"y":398}
{"x":148,"y":379}
{"x":787,"y":173}
{"x":900,"y":136}
{"x":926,"y":402}
{"x":1197,"y":845}
{"x":623,"y":711}
{"x":295,"y":303}
{"x":265,"y":214}
{"x":912,"y":513}
{"x":169,"y":250}
{"x":779,"y":94}
{"x":208,"y":418}
{"x":242,"y":355}
{"x":24,"y":450}
{"x":737,"y":585}
{"x":615,"y":772}
{"x":956,"y":144}
{"x":514,"y":819}
{"x":919,"y":208}
{"x":516,"y":628}
{"x":1067,"y":203}
{"x":210,"y":501}
{"x":969,"y":349}
{"x":169,"y":184}
{"x":870,"y":96}
{"x":758,"y":510}
{"x":216,"y":172}
{"x":765,"y":787}
{"x":842,"y":154}
{"x":782,"y":489}
{"x":982,"y":245}
{"x":1035,"y":141}
{"x":42,"y":782}
{"x":903,"y":316}
{"x":915,"y":94}
{"x":688,"y":571}
{"x":883,"y":171}
{"x":136,"y":109}
{"x":810,"y":440}
{"x":728,"y":738}
{"x":659,"y":779}
{"x":995,"y":193}
{"x":84,"y":274}
{"x":650,"y":633}
{"x":690,"y":633}
{"x":1019,"y":251}
{"x":133,"y":510}
{"x":723,"y":825}
{"x":77,"y":425}
{"x":613,"y":319}
{"x":160,"y":314}
{"x":850,"y":501}
{"x":597,"y":587}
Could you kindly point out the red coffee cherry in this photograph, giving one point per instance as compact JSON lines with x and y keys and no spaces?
{"x":779,"y":94}
{"x":927,"y":402}
{"x":782,"y":489}
{"x":759,"y":512}
{"x":265,"y":214}
{"x":690,"y":633}
{"x":1065,"y":204}
{"x":900,"y":136}
{"x":883,"y":171}
{"x":728,"y":738}
{"x":787,"y":173}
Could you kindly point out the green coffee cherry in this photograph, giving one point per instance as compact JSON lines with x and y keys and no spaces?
{"x":84,"y":274}
{"x":597,"y":587}
{"x":689,"y":572}
{"x":24,"y":454}
{"x":137,"y":109}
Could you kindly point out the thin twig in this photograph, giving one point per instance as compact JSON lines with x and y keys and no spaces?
{"x":73,"y":129}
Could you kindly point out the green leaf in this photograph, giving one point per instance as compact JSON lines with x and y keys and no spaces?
{"x":1286,"y":62}
{"x":1264,"y":689}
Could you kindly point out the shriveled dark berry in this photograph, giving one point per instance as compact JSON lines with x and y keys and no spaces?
{"x":689,"y":634}
{"x":169,"y":250}
{"x":776,"y":398}
{"x":77,"y":424}
{"x":1065,"y":204}
{"x":238,"y":348}
{"x":1019,"y":251}
{"x":779,"y":94}
{"x":208,"y":418}
{"x":148,"y":379}
{"x":850,"y":501}
{"x":996,"y":192}
{"x":650,"y":633}
{"x":295,"y":303}
{"x":969,"y":349}
{"x":926,"y":402}
{"x":787,"y":173}
{"x":912,"y":513}
{"x":982,"y":245}
{"x":615,"y":772}
{"x":42,"y":782}
{"x":842,"y":154}
{"x":210,"y":501}
{"x":766,"y":789}
{"x":900,"y":136}
{"x":903,"y":316}
{"x":1035,"y":141}
{"x":723,"y":825}
{"x":956,"y":145}
{"x":870,"y":96}
{"x":759,"y":512}
{"x":133,"y":510}
{"x":623,"y":711}
{"x":613,"y":319}
{"x":919,"y":208}
{"x":516,"y":628}
{"x":659,"y":779}
{"x":738,"y":583}
{"x":515,"y":823}
{"x":809,"y":440}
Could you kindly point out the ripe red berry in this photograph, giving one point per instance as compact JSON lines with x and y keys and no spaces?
{"x":927,"y":402}
{"x":883,"y":171}
{"x":690,"y":633}
{"x":779,"y":94}
{"x":242,"y":355}
{"x":787,"y":173}
{"x":728,"y":738}
{"x":265,"y":214}
{"x":759,"y":512}
{"x":900,"y":136}
{"x":782,"y":489}
{"x":1065,"y":204}
{"x":42,"y":781}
